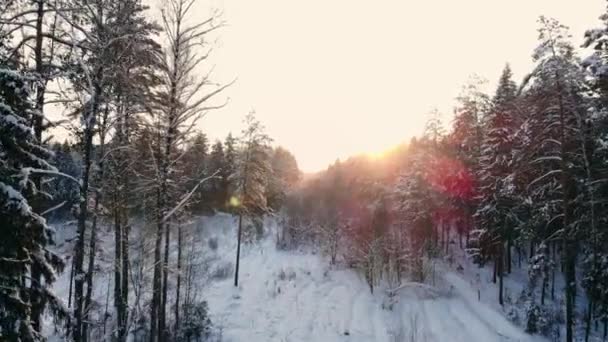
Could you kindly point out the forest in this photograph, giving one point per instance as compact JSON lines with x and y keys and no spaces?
{"x":101,"y":228}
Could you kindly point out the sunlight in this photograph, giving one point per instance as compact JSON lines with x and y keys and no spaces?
{"x":234,"y":202}
{"x":377,"y":155}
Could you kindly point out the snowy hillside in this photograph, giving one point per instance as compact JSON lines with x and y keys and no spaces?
{"x":295,"y":296}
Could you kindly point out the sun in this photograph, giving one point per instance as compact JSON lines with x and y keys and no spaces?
{"x":377,"y":155}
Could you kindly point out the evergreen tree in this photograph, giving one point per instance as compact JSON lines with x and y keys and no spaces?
{"x":25,"y":234}
{"x":229,"y":168}
{"x":496,"y":178}
{"x":251,"y":179}
{"x":217,"y":162}
{"x":285,"y":174}
{"x":196,"y":164}
{"x":466,"y":141}
{"x":417,"y":202}
{"x":554,"y":91}
{"x":64,"y":191}
{"x":596,"y":253}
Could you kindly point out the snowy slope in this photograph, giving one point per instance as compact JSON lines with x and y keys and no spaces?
{"x":294,"y":296}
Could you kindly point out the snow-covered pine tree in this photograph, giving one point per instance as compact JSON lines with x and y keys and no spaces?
{"x":553,"y":91}
{"x":25,"y":234}
{"x":496,"y":179}
{"x":418,"y":198}
{"x":466,"y":142}
{"x":251,"y":177}
{"x":595,"y":259}
{"x":34,"y":27}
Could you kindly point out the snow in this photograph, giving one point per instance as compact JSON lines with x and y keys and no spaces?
{"x":15,"y":200}
{"x":295,"y":296}
{"x":10,"y":120}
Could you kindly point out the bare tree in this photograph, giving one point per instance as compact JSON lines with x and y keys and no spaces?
{"x":182,"y":99}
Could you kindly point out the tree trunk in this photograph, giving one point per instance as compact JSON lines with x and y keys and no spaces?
{"x":508,"y":256}
{"x":519,"y":256}
{"x":500,"y":271}
{"x":124,"y":303}
{"x":179,"y":277}
{"x":238,"y":250}
{"x":156,"y":287}
{"x":105,"y":313}
{"x":543,"y":290}
{"x":531,"y":250}
{"x":495,"y":270}
{"x":90,"y":268}
{"x":570,"y":279}
{"x":588,"y":320}
{"x":36,"y":299}
{"x":553,"y":283}
{"x":82,"y":219}
{"x":569,"y":254}
{"x":162,"y":327}
{"x":117,"y":266}
{"x":69,"y":319}
{"x":121,"y":197}
{"x":93,"y":238}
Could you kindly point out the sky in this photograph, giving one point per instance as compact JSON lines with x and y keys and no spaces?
{"x":334,"y":78}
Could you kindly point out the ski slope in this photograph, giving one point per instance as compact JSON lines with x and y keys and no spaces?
{"x":294,"y":296}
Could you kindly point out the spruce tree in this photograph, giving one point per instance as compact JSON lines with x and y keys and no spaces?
{"x":555,"y":153}
{"x":497,"y":188}
{"x":25,"y":234}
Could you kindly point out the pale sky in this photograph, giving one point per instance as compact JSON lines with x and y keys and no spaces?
{"x":334,"y":78}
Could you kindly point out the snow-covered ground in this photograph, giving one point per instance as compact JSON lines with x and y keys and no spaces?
{"x":295,"y":296}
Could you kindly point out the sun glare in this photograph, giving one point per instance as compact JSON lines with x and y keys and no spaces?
{"x":376,"y":155}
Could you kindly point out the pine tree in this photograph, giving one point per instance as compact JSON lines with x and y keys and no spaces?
{"x":285,"y":174}
{"x":595,"y":254}
{"x":466,"y":141}
{"x":251,"y":179}
{"x":496,"y":177}
{"x":554,"y":91}
{"x":217,"y":161}
{"x":196,"y":166}
{"x":25,"y":234}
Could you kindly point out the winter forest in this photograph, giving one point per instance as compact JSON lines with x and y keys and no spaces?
{"x":123,"y":220}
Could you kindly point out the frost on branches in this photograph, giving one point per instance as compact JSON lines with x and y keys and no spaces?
{"x":25,"y":235}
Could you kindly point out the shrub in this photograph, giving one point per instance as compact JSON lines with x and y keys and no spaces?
{"x":222,"y":271}
{"x":196,"y":324}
